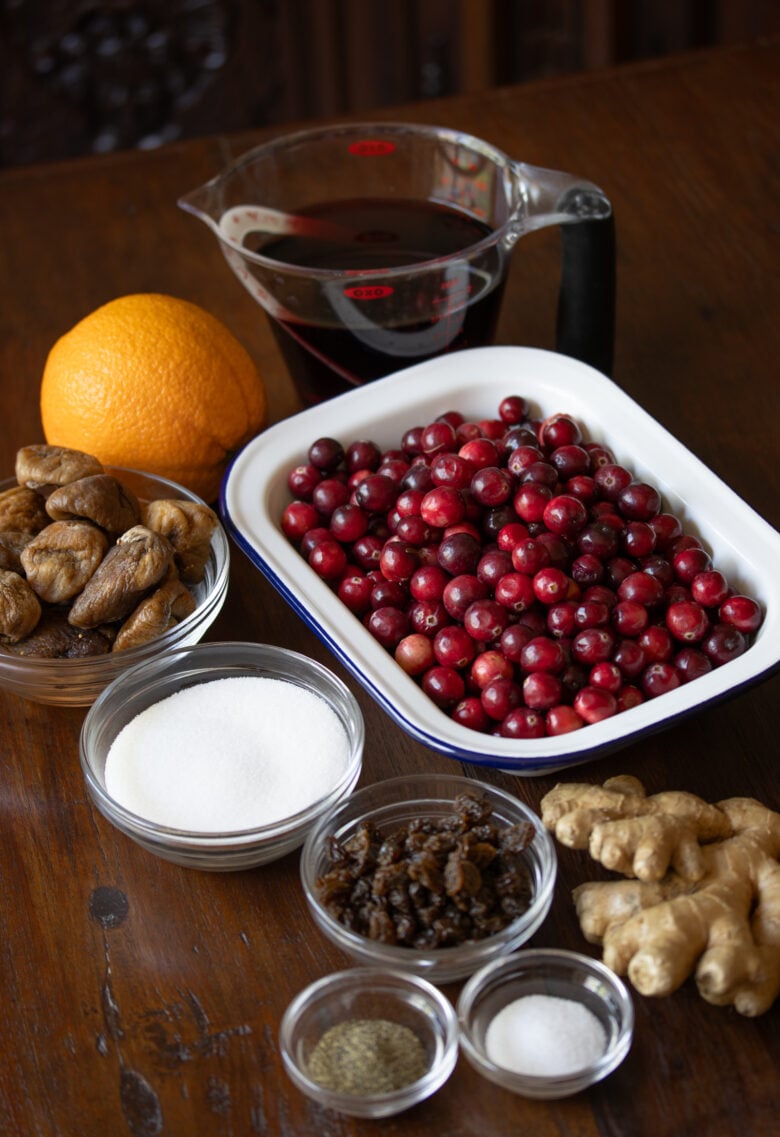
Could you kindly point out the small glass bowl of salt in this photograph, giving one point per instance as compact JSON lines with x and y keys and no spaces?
{"x":545,"y":1023}
{"x":222,"y":756}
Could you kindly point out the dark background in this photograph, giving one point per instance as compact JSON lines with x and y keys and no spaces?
{"x":80,"y":77}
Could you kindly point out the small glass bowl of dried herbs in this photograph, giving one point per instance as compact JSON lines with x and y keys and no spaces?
{"x":434,"y":874}
{"x":369,"y":1042}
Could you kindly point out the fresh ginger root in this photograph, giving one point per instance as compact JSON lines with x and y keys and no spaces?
{"x":702,"y":894}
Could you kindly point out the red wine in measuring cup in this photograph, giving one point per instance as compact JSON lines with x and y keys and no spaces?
{"x":349,"y":331}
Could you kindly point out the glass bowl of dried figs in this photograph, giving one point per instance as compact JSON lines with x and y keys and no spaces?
{"x":101,"y":568}
{"x":434,"y":874}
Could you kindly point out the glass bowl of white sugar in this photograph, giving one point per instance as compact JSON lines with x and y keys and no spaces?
{"x":222,"y":756}
{"x":545,"y":1023}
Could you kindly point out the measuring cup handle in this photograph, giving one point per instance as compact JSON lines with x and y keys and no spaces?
{"x":586,"y":304}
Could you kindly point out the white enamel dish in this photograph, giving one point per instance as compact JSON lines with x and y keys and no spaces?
{"x":743,"y":545}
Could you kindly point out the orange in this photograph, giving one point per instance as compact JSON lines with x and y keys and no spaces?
{"x":155,"y":383}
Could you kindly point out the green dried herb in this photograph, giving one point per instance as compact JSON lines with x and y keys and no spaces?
{"x":367,"y":1056}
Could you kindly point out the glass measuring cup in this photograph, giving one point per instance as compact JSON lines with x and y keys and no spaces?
{"x":373,"y":246}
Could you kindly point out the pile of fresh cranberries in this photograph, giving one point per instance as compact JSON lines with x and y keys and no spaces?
{"x":524,"y":578}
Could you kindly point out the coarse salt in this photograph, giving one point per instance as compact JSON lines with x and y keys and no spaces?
{"x":545,"y":1036}
{"x":228,"y":754}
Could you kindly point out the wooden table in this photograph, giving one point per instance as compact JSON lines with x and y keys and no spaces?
{"x":158,"y":1012}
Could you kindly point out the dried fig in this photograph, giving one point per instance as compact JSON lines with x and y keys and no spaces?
{"x":100,"y":498}
{"x":55,"y":638}
{"x":166,"y":606}
{"x":60,"y":559}
{"x":42,"y":466}
{"x":20,"y":609}
{"x":22,"y":510}
{"x":189,"y":526}
{"x":134,"y":565}
{"x":11,"y":544}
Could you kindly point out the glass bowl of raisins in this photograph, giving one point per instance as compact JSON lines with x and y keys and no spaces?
{"x":522,"y":567}
{"x":435,"y":874}
{"x":100,"y":573}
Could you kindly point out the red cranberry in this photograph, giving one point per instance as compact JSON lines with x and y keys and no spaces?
{"x":314,"y":537}
{"x":563,"y":720}
{"x":513,"y":640}
{"x":348,"y":523}
{"x":638,"y":539}
{"x":485,"y":620}
{"x":593,"y":645}
{"x":542,"y":690}
{"x":523,"y":456}
{"x":427,"y":616}
{"x":611,"y":480}
{"x":491,"y":486}
{"x":428,"y":582}
{"x":642,"y":588}
{"x":469,"y":712}
{"x":515,"y":591}
{"x":689,"y":562}
{"x":494,"y":565}
{"x":562,"y":619}
{"x":659,"y":678}
{"x":691,"y":663}
{"x":629,"y":618}
{"x":542,"y":654}
{"x":687,"y":621}
{"x":552,"y":584}
{"x":454,"y":647}
{"x":326,"y":454}
{"x":328,"y":494}
{"x":657,"y":644}
{"x":529,"y":556}
{"x":450,"y":469}
{"x":388,"y":593}
{"x":439,"y":435}
{"x":630,"y":658}
{"x":489,"y":665}
{"x":587,"y":569}
{"x":594,"y":704}
{"x":513,"y":409}
{"x":570,"y":460}
{"x":709,"y":588}
{"x":460,"y":593}
{"x":302,"y":479}
{"x":398,"y":560}
{"x":328,"y":560}
{"x":523,"y":722}
{"x":723,"y":643}
{"x":607,"y":676}
{"x":354,"y":590}
{"x":639,"y":501}
{"x":530,"y":501}
{"x":367,"y":551}
{"x":559,"y":430}
{"x":741,"y":612}
{"x":667,"y":528}
{"x":628,"y":697}
{"x":297,"y":519}
{"x":500,"y":697}
{"x":459,"y":553}
{"x":363,"y":454}
{"x":480,"y":452}
{"x":565,"y":515}
{"x":444,"y":685}
{"x":388,"y":625}
{"x":414,"y":654}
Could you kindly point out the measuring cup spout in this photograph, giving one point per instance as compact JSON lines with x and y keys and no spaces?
{"x":586,"y":300}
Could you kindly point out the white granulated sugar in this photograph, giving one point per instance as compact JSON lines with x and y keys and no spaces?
{"x":545,"y":1035}
{"x":228,"y":754}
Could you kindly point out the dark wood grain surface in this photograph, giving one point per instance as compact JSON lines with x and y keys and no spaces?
{"x":141,"y":998}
